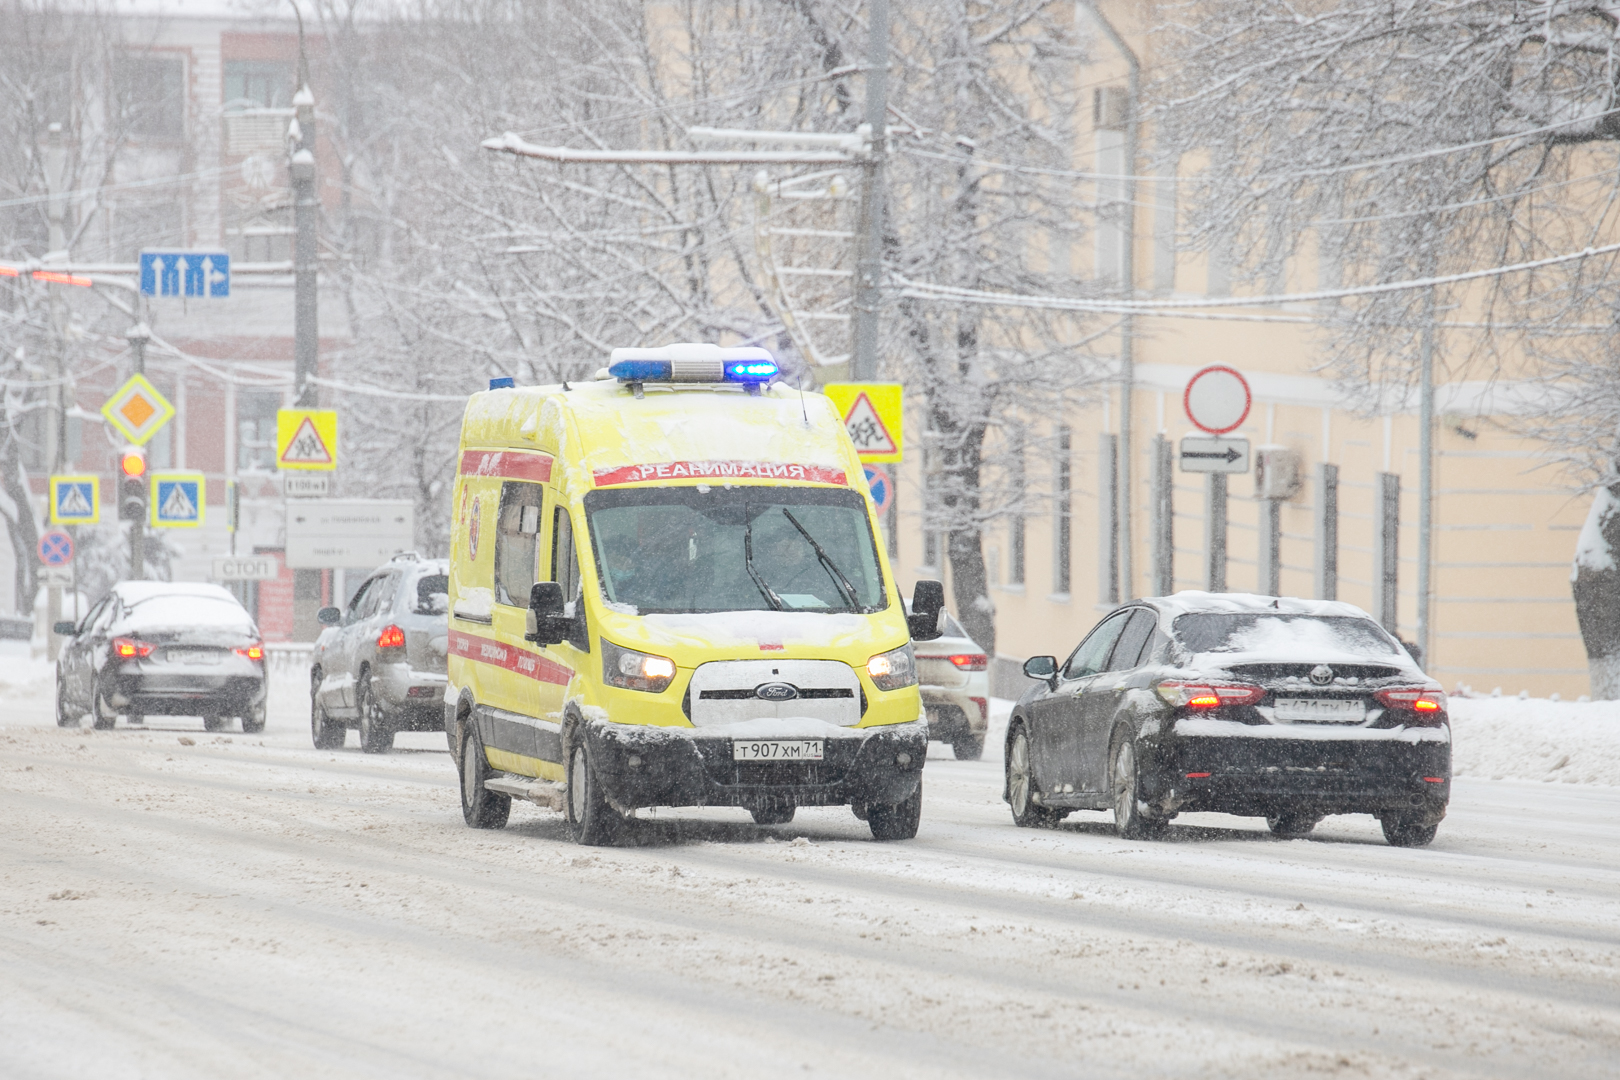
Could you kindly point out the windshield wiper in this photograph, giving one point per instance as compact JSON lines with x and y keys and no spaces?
{"x":826,"y":560}
{"x":748,"y":561}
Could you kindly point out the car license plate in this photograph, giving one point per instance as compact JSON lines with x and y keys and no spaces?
{"x":776,"y":749}
{"x":1321,"y":710}
{"x":194,"y":656}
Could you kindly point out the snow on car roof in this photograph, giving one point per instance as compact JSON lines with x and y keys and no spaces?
{"x":133,"y":592}
{"x":1192,"y":600}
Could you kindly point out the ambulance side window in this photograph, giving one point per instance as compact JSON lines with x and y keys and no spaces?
{"x":565,"y":572}
{"x":517,"y":542}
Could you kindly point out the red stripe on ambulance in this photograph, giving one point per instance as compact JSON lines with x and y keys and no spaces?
{"x":522,"y":661}
{"x":721,"y":470}
{"x":506,"y":465}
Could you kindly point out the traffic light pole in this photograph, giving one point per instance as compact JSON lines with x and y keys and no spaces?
{"x":306,"y":330}
{"x":137,"y":336}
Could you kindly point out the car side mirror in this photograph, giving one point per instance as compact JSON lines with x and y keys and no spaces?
{"x":65,"y":629}
{"x":1043,"y":668}
{"x":544,"y":622}
{"x":329,"y":616}
{"x":927,"y":605}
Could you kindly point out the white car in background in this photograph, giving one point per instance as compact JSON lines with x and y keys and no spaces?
{"x":953,"y":674}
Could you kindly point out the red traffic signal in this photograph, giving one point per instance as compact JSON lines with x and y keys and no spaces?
{"x":132,"y":462}
{"x":132,"y":484}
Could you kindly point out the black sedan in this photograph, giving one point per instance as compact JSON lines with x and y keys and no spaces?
{"x":162,"y":648}
{"x":1255,"y":705}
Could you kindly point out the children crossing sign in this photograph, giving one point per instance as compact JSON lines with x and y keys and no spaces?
{"x":75,"y":500}
{"x":872,"y":415}
{"x":306,"y":439}
{"x":178,"y":500}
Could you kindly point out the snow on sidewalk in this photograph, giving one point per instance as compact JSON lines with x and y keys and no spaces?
{"x":1571,"y":742}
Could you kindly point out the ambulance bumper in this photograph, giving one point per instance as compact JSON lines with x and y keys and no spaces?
{"x":639,"y":765}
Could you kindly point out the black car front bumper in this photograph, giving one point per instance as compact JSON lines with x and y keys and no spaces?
{"x":1251,"y":770}
{"x":640,"y":765}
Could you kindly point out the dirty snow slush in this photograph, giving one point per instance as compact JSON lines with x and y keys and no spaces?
{"x":250,"y":907}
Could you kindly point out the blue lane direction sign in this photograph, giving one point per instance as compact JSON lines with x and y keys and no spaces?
{"x":186,"y":273}
{"x":881,"y":486}
{"x":56,"y":548}
{"x":178,"y":500}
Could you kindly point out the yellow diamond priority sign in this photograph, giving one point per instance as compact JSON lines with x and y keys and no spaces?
{"x":871,"y":413}
{"x":137,"y":410}
{"x":306,"y":439}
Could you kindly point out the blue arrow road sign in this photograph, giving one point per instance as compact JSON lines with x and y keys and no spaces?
{"x":186,"y":273}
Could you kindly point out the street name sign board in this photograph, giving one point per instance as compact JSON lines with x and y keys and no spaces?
{"x":873,"y":416}
{"x":1204,"y":455}
{"x":246,"y":568}
{"x":306,"y":439}
{"x":56,"y":577}
{"x":306,"y":485}
{"x":348,"y":533}
{"x":137,"y":410}
{"x":75,"y":500}
{"x":202,"y":274}
{"x":1217,"y":399}
{"x":56,"y":548}
{"x":177,"y":500}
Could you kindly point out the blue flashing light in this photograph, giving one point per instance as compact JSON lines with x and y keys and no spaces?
{"x":752,"y":371}
{"x":502,"y":382}
{"x":641,"y":370}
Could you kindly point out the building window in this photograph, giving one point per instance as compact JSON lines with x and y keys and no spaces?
{"x":1062,"y":487}
{"x":258,"y":84}
{"x":256,"y":430}
{"x":149,"y":93}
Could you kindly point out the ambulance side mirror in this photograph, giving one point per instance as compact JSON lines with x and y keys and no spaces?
{"x":927,"y":607}
{"x":545,"y":623}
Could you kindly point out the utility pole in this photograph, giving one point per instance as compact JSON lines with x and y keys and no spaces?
{"x":869,"y":231}
{"x":1425,"y":480}
{"x":55,"y":162}
{"x":306,"y":311}
{"x":137,"y":336}
{"x":1127,"y":325}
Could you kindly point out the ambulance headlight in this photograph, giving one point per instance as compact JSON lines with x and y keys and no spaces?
{"x":632,"y":670}
{"x":894,"y":669}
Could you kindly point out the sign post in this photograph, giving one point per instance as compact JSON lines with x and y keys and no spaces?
{"x":1217,"y":401}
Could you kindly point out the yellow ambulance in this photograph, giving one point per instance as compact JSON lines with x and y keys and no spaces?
{"x":667,"y":589}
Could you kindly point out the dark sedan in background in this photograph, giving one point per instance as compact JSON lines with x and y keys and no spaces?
{"x":162,"y":648}
{"x":1255,"y":705}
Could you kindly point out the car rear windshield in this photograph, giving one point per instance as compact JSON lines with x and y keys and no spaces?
{"x":213,"y":612}
{"x":1280,"y":633}
{"x":686,"y":549}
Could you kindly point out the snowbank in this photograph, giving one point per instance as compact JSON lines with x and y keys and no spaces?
{"x":1571,"y":742}
{"x":24,"y":677}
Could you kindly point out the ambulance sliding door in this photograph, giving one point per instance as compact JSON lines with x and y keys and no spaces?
{"x":512,"y":680}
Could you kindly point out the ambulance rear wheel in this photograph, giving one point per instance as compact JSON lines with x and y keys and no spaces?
{"x":481,"y":807}
{"x":590,"y":817}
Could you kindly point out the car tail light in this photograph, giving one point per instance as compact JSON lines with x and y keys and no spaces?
{"x":1208,"y":695}
{"x":1418,"y":700}
{"x":971,"y":661}
{"x":984,"y":707}
{"x":392,"y":637}
{"x":254,"y":651}
{"x":130,"y":648}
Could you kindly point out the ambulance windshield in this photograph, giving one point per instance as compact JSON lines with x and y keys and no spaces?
{"x":695,"y":549}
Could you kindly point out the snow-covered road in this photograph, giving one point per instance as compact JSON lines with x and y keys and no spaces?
{"x":250,"y":907}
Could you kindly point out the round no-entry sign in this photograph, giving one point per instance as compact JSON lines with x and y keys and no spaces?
{"x":1217,"y":399}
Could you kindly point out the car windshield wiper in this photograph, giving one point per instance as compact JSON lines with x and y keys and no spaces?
{"x":748,"y":561}
{"x":826,"y":560}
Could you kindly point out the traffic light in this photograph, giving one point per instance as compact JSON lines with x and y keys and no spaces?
{"x":132,"y":484}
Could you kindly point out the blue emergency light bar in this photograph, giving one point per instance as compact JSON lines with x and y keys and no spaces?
{"x":693,"y":362}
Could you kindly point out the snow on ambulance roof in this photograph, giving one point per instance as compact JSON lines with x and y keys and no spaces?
{"x":679,"y":432}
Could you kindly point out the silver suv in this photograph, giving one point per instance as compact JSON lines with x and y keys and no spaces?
{"x":379,"y":666}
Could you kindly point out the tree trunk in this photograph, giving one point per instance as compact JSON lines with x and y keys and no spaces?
{"x":965,"y":546}
{"x":1595,"y":580}
{"x":18,"y":511}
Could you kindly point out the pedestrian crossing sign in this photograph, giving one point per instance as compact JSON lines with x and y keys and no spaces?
{"x":306,"y":439}
{"x":75,"y":500}
{"x":178,"y":500}
{"x":872,"y":415}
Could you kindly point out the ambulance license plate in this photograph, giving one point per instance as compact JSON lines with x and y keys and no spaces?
{"x":1321,"y":710}
{"x":776,"y":749}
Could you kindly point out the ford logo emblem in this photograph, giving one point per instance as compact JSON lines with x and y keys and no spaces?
{"x":776,"y":691}
{"x":1321,"y":674}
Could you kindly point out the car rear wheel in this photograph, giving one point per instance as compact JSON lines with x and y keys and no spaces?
{"x":253,"y":722}
{"x":66,"y":715}
{"x":103,"y":716}
{"x":968,"y":747}
{"x":591,"y":818}
{"x":1292,"y":824}
{"x":897,"y":822}
{"x":214,"y":723}
{"x":1404,"y":831}
{"x":481,"y":807}
{"x":1132,"y":818}
{"x":376,"y":733}
{"x":1021,"y":789}
{"x":324,"y":732}
{"x":772,"y":815}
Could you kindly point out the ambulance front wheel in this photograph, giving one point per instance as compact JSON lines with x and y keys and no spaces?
{"x":591,"y":819}
{"x":897,"y":822}
{"x":481,"y":807}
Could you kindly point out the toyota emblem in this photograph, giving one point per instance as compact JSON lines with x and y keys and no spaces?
{"x":776,"y":691}
{"x":1321,"y":675}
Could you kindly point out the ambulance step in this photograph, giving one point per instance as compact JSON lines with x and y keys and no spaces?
{"x":547,"y":793}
